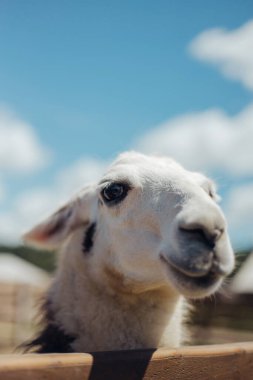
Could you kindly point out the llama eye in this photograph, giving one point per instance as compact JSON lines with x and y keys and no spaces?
{"x":114,"y":192}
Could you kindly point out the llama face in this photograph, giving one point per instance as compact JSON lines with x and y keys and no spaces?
{"x":148,"y":223}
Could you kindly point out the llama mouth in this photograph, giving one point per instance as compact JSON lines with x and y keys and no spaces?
{"x":192,"y":282}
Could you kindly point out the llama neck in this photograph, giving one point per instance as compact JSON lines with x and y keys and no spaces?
{"x":104,"y":320}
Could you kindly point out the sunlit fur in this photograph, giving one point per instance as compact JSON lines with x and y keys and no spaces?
{"x":125,"y":293}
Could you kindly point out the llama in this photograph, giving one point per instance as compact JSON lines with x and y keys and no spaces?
{"x":132,"y":248}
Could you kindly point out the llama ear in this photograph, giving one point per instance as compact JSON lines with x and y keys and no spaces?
{"x":51,"y":233}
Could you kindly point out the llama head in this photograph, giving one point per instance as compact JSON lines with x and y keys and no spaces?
{"x":148,"y":223}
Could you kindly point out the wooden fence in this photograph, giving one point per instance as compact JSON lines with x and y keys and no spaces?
{"x":219,"y":362}
{"x":17,"y":314}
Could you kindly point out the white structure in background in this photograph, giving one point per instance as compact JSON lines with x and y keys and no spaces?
{"x":243,"y":281}
{"x":16,"y":270}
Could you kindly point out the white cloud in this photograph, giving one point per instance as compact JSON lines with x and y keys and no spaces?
{"x":207,"y":140}
{"x":37,"y":203}
{"x":20,"y":149}
{"x":32,"y":206}
{"x":82,"y":171}
{"x":230,"y":51}
{"x":239,"y":212}
{"x":240,"y":205}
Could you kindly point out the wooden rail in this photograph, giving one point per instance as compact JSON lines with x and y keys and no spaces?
{"x":219,"y":362}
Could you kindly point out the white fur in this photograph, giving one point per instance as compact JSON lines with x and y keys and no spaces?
{"x":128,"y":292}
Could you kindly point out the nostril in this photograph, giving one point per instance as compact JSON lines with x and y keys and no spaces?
{"x":201,"y":234}
{"x":198,"y":234}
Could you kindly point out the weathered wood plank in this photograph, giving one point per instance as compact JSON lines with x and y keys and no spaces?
{"x":220,"y":362}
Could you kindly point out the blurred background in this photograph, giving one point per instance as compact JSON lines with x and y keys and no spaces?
{"x":81,"y":81}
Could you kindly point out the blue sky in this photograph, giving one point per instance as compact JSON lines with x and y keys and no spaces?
{"x":93,"y":78}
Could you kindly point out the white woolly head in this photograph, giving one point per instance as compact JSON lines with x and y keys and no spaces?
{"x":148,"y":223}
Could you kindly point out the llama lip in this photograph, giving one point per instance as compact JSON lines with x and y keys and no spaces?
{"x":204,"y":281}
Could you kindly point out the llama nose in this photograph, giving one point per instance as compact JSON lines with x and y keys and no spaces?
{"x":203,"y":233}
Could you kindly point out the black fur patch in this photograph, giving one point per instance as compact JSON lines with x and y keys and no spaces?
{"x":88,"y":238}
{"x":52,"y":339}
